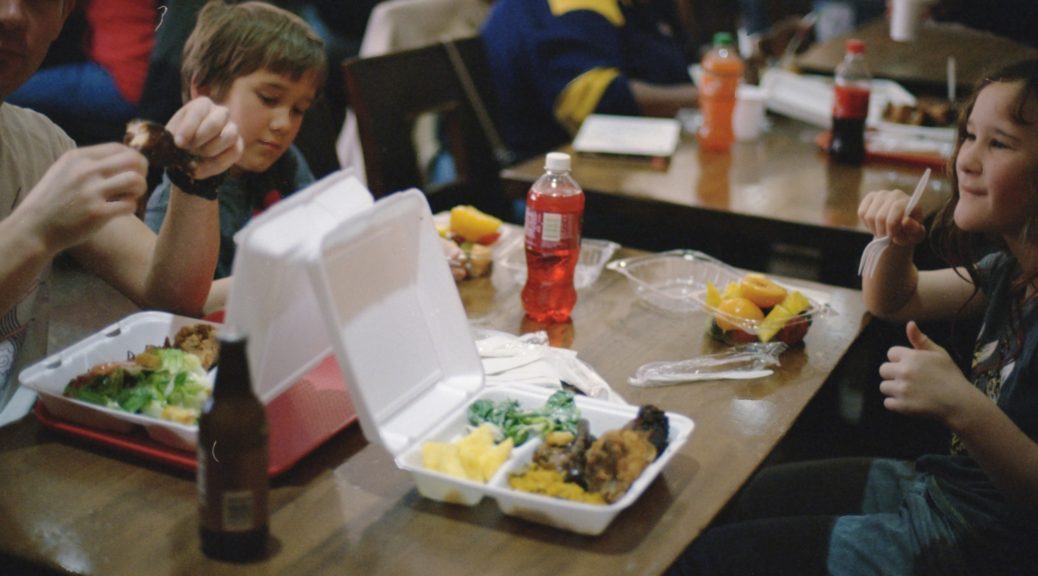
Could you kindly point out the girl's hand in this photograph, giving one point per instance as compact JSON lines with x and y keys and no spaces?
{"x":205,"y":129}
{"x":924,"y":380}
{"x":883,"y":213}
{"x":84,"y":190}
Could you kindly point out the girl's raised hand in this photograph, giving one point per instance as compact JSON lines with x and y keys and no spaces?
{"x":883,"y":213}
{"x":924,"y":380}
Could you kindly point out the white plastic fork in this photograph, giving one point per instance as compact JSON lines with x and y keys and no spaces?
{"x":873,"y":250}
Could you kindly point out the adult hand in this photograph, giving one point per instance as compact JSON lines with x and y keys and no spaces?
{"x":205,"y":129}
{"x":924,"y":380}
{"x":83,"y":191}
{"x":883,"y":213}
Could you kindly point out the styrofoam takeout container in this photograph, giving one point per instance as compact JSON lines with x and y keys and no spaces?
{"x":593,"y":257}
{"x":676,"y":281}
{"x":270,"y":300}
{"x":407,"y":354}
{"x":131,"y":335}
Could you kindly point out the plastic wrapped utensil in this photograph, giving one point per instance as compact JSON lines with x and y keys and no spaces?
{"x":742,"y":362}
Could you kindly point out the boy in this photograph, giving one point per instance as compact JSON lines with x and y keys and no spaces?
{"x":267,"y":66}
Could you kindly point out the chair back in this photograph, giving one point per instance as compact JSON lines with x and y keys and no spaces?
{"x":392,"y":93}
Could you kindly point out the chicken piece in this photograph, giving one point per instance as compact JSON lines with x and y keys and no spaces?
{"x":200,"y":340}
{"x":157,"y":145}
{"x":616,"y":460}
{"x":654,"y":421}
{"x":567,"y":458}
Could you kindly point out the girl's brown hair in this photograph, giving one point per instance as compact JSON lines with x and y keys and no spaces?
{"x":955,"y":246}
{"x":233,"y":40}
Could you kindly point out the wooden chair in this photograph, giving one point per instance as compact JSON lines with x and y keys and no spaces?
{"x":390,"y":93}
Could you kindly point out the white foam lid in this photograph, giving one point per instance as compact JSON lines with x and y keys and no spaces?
{"x":271,"y":299}
{"x":396,"y":320}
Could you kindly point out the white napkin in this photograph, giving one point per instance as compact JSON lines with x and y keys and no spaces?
{"x":528,"y":359}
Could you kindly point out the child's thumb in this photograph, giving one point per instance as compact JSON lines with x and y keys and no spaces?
{"x":919,"y":340}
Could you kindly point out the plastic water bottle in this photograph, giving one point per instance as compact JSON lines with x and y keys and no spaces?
{"x":850,"y":105}
{"x":722,"y":71}
{"x":554,"y":213}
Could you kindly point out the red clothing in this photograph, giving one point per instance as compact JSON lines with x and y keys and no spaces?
{"x":122,"y":34}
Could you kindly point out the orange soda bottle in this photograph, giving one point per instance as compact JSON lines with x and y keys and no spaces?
{"x":722,"y":71}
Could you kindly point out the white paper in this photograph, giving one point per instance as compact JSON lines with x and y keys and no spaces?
{"x":628,"y":135}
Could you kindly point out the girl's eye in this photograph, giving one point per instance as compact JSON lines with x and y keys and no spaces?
{"x":268,"y":100}
{"x":970,"y":136}
{"x":996,"y":143}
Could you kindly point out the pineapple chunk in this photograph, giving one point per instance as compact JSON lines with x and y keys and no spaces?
{"x":790,"y":308}
{"x":713,"y":297}
{"x":493,"y":458}
{"x":471,"y":224}
{"x":442,"y":457}
{"x":732,"y":290}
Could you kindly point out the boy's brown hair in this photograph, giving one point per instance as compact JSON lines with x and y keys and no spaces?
{"x":233,"y":40}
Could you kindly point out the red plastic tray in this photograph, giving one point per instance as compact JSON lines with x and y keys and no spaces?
{"x":930,"y":160}
{"x":302,"y":418}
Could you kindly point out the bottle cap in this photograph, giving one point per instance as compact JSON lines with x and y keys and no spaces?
{"x":723,"y":38}
{"x":855,"y":46}
{"x":557,"y":162}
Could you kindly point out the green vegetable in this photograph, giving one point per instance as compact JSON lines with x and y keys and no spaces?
{"x":559,"y":414}
{"x":156,"y":379}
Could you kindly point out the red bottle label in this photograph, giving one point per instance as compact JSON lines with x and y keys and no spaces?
{"x":850,"y":102}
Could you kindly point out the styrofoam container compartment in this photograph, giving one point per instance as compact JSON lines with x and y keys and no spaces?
{"x":407,"y":354}
{"x":130,"y":335}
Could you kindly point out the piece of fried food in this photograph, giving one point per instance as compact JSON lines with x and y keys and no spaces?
{"x":200,"y":340}
{"x":616,"y":460}
{"x":157,"y":145}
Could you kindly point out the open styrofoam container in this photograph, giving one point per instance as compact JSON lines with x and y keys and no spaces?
{"x":271,"y":300}
{"x":131,"y":335}
{"x":406,"y":351}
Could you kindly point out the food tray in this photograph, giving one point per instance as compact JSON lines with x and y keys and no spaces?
{"x":49,"y":377}
{"x":594,"y":254}
{"x":675,"y":282}
{"x":387,"y":296}
{"x":576,"y":517}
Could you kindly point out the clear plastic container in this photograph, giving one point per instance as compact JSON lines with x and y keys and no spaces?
{"x":594,"y":254}
{"x":676,"y":282}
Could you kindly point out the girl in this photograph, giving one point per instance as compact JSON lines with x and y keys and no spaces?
{"x":974,"y":510}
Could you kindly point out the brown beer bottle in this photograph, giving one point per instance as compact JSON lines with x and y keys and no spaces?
{"x":232,"y":461}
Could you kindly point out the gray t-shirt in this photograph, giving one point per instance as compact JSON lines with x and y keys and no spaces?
{"x":29,"y":145}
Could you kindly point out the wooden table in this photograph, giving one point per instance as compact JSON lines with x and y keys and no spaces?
{"x":921,"y":65}
{"x":346,"y":509}
{"x":779,"y":190}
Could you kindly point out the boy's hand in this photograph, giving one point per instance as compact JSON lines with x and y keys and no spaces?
{"x":924,"y":380}
{"x":206,"y":130}
{"x":883,"y":213}
{"x":83,"y":191}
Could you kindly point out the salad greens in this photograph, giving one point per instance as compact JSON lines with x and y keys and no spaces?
{"x":165,"y":383}
{"x":559,"y":414}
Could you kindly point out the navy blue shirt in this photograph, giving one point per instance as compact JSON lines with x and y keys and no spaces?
{"x":551,"y":70}
{"x":1005,"y":368}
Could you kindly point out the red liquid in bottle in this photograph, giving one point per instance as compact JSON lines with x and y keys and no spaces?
{"x":553,"y":224}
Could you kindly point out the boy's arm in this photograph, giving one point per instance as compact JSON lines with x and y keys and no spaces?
{"x":174,"y":270}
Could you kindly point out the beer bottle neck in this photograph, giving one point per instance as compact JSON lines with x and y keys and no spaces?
{"x":232,"y":375}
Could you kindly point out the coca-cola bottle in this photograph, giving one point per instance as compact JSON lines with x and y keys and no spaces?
{"x":554,"y":211}
{"x":850,"y":105}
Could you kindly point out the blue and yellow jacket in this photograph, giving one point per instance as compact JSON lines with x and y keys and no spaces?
{"x":555,"y":62}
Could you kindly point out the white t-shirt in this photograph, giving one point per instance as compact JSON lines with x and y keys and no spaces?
{"x":29,"y":144}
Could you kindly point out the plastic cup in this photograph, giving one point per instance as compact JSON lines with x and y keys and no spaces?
{"x":748,"y":117}
{"x":905,"y":19}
